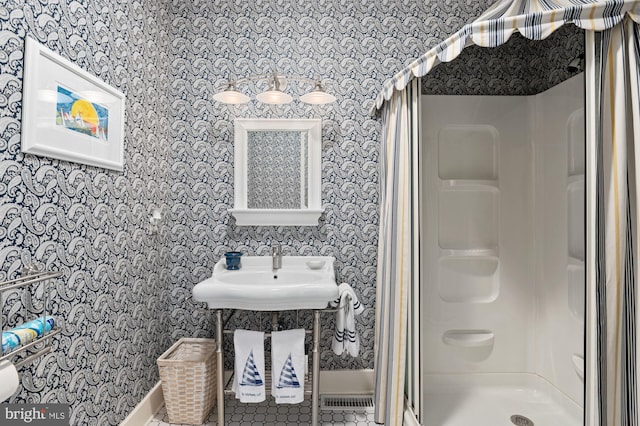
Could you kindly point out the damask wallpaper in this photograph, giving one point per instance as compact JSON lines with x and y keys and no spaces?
{"x":126,"y":292}
{"x":113,"y":300}
{"x":353,"y":47}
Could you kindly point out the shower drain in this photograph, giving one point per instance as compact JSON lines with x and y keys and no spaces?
{"x":519,"y":420}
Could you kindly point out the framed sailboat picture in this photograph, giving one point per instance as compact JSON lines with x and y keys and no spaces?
{"x":68,"y":113}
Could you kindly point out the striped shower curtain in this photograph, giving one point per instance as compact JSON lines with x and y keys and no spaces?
{"x":617,"y":119}
{"x":398,"y":248}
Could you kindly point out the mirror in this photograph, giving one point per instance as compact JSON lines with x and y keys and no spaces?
{"x":277,"y":171}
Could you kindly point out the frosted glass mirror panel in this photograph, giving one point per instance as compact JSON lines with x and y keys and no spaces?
{"x":468,"y":152}
{"x":277,"y":170}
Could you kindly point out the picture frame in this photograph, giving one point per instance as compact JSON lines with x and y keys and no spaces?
{"x":69,"y":114}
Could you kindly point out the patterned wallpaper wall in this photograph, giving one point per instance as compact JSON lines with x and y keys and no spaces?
{"x":91,"y":223}
{"x":353,"y":47}
{"x":518,"y":67}
{"x":126,"y":293}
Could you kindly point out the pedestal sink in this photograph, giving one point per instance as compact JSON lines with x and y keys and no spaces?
{"x":255,"y":286}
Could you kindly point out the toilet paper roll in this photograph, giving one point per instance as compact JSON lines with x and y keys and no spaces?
{"x":9,"y":380}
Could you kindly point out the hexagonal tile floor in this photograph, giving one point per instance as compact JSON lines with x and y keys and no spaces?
{"x":268,"y":413}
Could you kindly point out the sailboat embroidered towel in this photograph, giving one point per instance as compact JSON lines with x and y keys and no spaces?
{"x":345,"y":337}
{"x":287,"y":363}
{"x":248,"y":382}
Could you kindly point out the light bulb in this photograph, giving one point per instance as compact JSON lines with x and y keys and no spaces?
{"x":317,"y":96}
{"x":231,"y":96}
{"x":274,"y":97}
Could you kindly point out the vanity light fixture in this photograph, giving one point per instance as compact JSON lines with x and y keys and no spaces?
{"x":231,"y":96}
{"x":275,"y":94}
{"x":317,"y":96}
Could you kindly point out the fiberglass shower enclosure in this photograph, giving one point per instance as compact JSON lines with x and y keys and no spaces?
{"x":503,"y":258}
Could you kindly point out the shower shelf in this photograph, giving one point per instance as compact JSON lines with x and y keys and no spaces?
{"x":479,"y":252}
{"x":573,"y":179}
{"x":476,"y":184}
{"x":468,"y":279}
{"x":468,"y":338}
{"x":575,"y":219}
{"x":578,"y":365}
{"x":573,"y":261}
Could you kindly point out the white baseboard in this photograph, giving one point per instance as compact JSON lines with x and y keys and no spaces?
{"x":347,"y":382}
{"x":333,"y":382}
{"x":146,"y":409}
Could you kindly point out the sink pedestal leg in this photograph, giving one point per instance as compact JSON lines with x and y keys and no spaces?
{"x":220,"y":367}
{"x":315,"y":385}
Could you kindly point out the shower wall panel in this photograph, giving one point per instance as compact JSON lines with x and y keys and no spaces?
{"x":478,"y":203}
{"x":559,"y":230}
{"x":503,"y":246}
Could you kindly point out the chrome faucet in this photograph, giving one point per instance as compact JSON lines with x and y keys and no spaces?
{"x":276,"y":256}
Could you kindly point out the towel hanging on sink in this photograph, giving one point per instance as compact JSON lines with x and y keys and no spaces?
{"x":288,"y":366}
{"x":345,"y":336}
{"x":248,"y":380}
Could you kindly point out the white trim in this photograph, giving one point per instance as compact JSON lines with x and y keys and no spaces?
{"x":307,"y":216}
{"x":147,"y":408}
{"x":347,"y":382}
{"x":334,"y":382}
{"x":591,"y":362}
{"x":291,"y":217}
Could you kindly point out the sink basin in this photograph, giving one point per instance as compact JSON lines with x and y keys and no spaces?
{"x":255,"y":286}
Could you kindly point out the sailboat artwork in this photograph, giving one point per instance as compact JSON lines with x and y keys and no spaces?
{"x":250,"y":374}
{"x":288,"y":377}
{"x":80,"y":115}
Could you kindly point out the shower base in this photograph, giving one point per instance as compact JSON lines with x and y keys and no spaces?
{"x":492,"y":399}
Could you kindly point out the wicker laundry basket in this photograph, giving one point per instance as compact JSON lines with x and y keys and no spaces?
{"x":188,"y":374}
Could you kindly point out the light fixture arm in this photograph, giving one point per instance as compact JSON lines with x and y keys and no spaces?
{"x":275,"y":93}
{"x":268,"y":77}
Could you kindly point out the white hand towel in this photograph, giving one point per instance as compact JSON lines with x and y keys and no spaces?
{"x":346,"y":291}
{"x":248,"y":381}
{"x":287,"y":364}
{"x":345,"y":337}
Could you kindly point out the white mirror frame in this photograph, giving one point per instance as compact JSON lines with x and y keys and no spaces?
{"x":296,"y":217}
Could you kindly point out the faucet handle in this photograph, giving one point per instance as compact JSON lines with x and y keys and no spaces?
{"x":276,"y":249}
